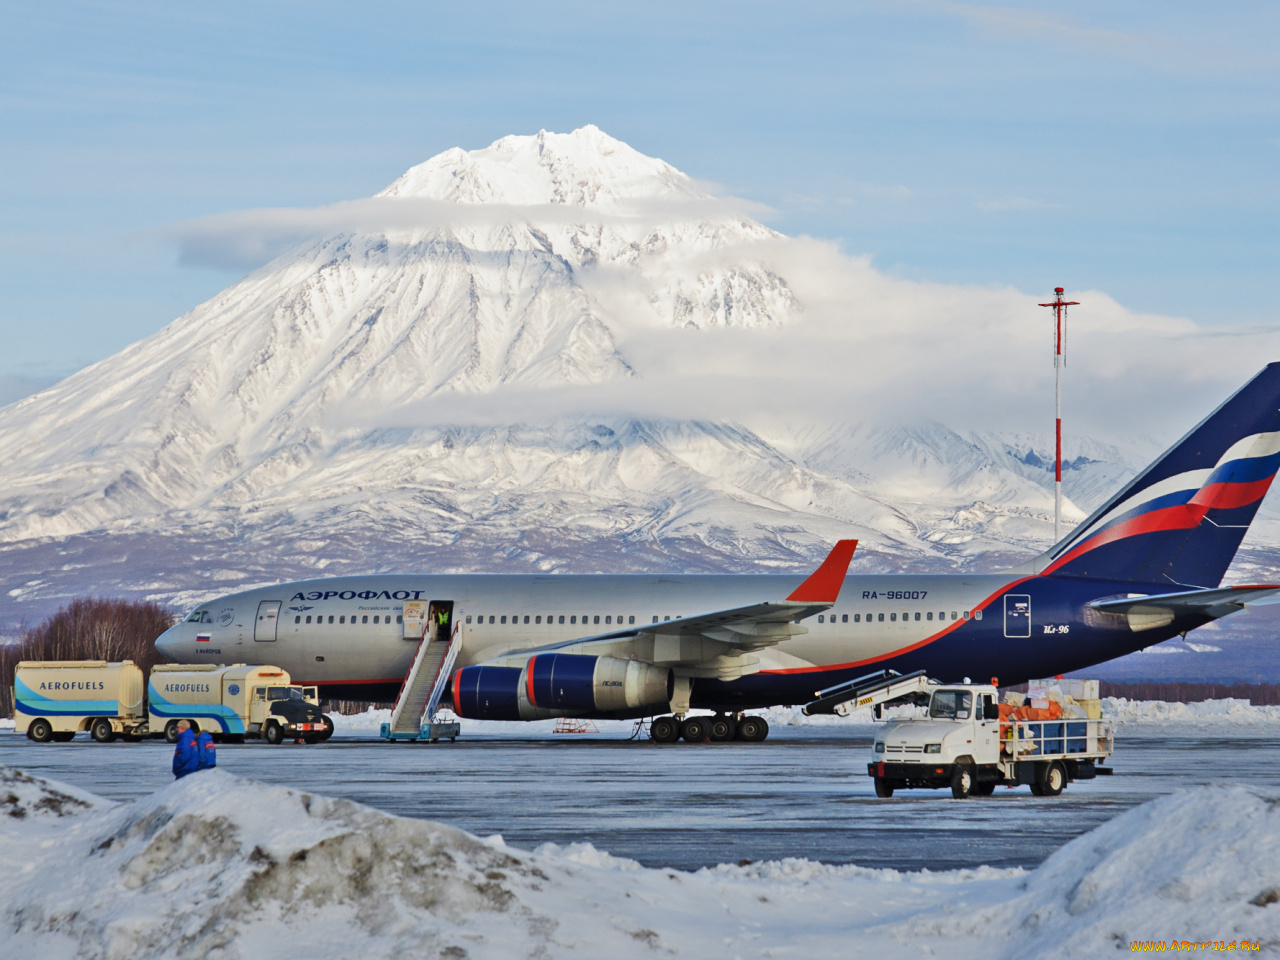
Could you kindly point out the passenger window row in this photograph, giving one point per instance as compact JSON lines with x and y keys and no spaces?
{"x":879,"y":617}
{"x":364,"y":618}
{"x":587,"y":619}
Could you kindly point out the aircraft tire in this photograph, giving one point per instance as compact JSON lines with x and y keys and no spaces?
{"x":664,"y":730}
{"x":694,"y":729}
{"x":753,"y":729}
{"x":722,"y":729}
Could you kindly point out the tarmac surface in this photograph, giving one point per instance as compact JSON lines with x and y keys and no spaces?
{"x":802,"y":793}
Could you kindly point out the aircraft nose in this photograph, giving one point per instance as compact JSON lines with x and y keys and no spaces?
{"x":167,"y":643}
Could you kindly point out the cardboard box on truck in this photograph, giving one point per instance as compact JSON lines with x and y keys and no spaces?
{"x":236,"y":702}
{"x":55,"y":699}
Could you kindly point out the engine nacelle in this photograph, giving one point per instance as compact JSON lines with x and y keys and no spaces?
{"x":567,"y":683}
{"x":558,"y":685}
{"x":488,"y":693}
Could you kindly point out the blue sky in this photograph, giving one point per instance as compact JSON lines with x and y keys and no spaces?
{"x":1129,"y":148}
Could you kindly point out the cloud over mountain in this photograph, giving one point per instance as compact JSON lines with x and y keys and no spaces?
{"x":560,"y":343}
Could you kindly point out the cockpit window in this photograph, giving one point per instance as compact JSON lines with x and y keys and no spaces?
{"x":200,"y":616}
{"x":951,"y":705}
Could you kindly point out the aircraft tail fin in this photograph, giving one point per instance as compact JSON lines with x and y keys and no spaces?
{"x":1182,"y":519}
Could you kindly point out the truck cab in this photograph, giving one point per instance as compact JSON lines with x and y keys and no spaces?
{"x":960,"y":729}
{"x":292,"y":709}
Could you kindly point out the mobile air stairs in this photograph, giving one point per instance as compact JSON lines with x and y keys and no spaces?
{"x":872,"y":690}
{"x":413,"y":717}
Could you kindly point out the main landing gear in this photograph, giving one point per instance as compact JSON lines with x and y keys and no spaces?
{"x":718,"y":729}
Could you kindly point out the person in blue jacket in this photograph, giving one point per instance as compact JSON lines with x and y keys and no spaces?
{"x":206,"y":751}
{"x":186,"y":756}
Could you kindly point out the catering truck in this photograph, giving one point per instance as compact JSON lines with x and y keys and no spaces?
{"x":234,"y":702}
{"x":55,"y":700}
{"x":968,"y":741}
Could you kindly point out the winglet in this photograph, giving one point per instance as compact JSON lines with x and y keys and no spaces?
{"x":823,"y":585}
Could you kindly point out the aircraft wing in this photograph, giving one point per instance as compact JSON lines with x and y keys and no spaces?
{"x":1217,"y":602}
{"x":717,"y":644}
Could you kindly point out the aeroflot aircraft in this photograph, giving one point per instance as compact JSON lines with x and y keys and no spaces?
{"x":1143,"y":568}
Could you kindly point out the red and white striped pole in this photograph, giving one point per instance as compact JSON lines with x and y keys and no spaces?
{"x":1059,"y":361}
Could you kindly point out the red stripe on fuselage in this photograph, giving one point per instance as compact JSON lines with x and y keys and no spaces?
{"x":914,"y":646}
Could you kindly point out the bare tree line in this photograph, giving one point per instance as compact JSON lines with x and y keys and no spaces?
{"x":1259,"y":694}
{"x":88,"y":628}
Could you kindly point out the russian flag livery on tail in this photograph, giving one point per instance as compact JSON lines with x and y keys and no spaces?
{"x":1146,"y":566}
{"x":1182,"y":519}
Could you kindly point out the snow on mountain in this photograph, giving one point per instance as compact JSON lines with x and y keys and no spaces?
{"x":218,"y":865}
{"x":375,"y":398}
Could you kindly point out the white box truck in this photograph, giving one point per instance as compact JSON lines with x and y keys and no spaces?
{"x":963,"y":743}
{"x":234,"y":702}
{"x":54,"y":700}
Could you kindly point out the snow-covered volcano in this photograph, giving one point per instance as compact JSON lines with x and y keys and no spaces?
{"x":377,"y":398}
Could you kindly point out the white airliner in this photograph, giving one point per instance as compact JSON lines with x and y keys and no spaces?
{"x":1145,"y":567}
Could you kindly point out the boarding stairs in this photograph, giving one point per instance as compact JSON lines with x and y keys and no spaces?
{"x":871,"y":690}
{"x":413,"y":716}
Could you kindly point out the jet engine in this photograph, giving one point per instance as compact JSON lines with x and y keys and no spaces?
{"x":561,"y":684}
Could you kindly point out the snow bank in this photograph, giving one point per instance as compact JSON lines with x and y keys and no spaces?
{"x":6,"y":724}
{"x":369,"y":723}
{"x":218,"y":866}
{"x":1230,"y":712}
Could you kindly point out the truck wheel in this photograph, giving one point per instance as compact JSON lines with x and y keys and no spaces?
{"x":721,"y":729}
{"x":753,"y":729}
{"x":328,"y":728}
{"x":171,"y":731}
{"x":961,"y":781}
{"x":664,"y":730}
{"x":694,"y":729}
{"x":41,"y":731}
{"x":1053,"y":779}
{"x":273,"y":734}
{"x":884,"y":788}
{"x":101,"y":731}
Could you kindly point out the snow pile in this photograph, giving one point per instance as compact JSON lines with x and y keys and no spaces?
{"x":6,"y":724}
{"x":1228,"y":712}
{"x":215,"y":865}
{"x":1199,"y":865}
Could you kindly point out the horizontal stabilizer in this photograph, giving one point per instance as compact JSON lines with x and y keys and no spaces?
{"x":1146,"y":612}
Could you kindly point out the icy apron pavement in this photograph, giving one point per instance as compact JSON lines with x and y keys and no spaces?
{"x":802,"y":793}
{"x":219,"y":866}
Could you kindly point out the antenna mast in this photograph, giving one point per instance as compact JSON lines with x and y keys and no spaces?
{"x":1059,"y":361}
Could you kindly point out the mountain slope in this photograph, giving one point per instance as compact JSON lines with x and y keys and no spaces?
{"x":376,"y":398}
